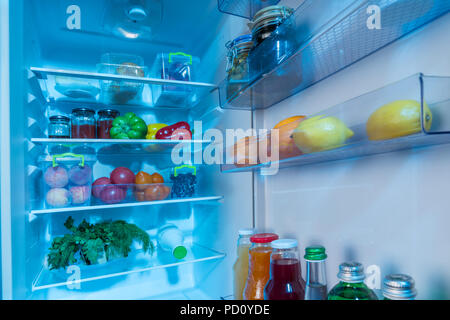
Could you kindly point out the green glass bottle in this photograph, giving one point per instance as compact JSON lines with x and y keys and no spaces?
{"x":399,"y":287}
{"x":351,"y":286}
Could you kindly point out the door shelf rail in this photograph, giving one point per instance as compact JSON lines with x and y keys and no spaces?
{"x":418,"y":107}
{"x":136,"y":262}
{"x":327,"y":37}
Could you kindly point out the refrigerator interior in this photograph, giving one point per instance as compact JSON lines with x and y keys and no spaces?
{"x":387,"y":210}
{"x":206,"y":225}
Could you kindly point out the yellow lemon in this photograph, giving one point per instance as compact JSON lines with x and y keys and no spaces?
{"x":321,"y":133}
{"x":396,"y":119}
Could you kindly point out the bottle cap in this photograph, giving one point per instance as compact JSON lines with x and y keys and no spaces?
{"x":246,"y":232}
{"x":399,"y":287}
{"x":263,"y":238}
{"x":284,"y":244}
{"x":315,"y":253}
{"x":351,"y":272}
{"x":180,"y":252}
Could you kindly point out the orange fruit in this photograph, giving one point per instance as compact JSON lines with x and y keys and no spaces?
{"x":157,"y":178}
{"x":288,"y":120}
{"x":142,"y":178}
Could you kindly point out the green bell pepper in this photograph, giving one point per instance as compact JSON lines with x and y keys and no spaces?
{"x":128,"y":126}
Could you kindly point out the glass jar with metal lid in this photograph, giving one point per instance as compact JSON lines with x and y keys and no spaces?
{"x":275,"y":22}
{"x":59,"y":127}
{"x":83,"y":123}
{"x":104,"y":122}
{"x":399,"y":287}
{"x":237,"y":66}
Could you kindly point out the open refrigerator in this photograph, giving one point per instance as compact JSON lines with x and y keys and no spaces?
{"x":383,"y":203}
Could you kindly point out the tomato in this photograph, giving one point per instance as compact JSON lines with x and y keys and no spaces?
{"x":139,"y":195}
{"x":156,"y":192}
{"x":142,"y":178}
{"x":122,"y":175}
{"x":157,"y":178}
{"x":97,"y":186}
{"x":112,"y":194}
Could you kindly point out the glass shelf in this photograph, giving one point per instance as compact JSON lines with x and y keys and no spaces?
{"x":244,"y":8}
{"x":428,"y":101}
{"x":117,"y":146}
{"x":134,"y":263}
{"x":328,"y":36}
{"x":122,"y":205}
{"x":70,"y":86}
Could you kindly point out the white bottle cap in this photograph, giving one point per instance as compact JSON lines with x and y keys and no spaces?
{"x":284,"y":244}
{"x":246,"y":232}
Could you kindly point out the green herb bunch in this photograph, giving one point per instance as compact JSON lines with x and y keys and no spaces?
{"x":90,"y":241}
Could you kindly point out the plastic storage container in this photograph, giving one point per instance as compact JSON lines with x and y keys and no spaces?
{"x":121,"y":92}
{"x":67,"y":180}
{"x":129,"y":193}
{"x":177,"y":66}
{"x":184,"y":179}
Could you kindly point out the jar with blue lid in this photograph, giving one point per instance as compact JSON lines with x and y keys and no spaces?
{"x":237,"y":66}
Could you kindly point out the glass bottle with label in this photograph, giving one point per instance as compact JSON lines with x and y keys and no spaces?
{"x":240,"y":267}
{"x":399,"y":287}
{"x":351,"y":286}
{"x":316,"y":280}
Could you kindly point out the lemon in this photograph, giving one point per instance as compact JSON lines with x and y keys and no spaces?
{"x":321,"y":133}
{"x":396,"y":119}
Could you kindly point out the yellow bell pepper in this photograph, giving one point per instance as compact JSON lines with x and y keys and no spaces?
{"x":152,"y":129}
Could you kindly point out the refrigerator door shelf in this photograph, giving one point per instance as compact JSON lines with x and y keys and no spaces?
{"x":416,"y":97}
{"x":328,"y":37}
{"x":136,"y":262}
{"x":68,"y":86}
{"x":34,"y":213}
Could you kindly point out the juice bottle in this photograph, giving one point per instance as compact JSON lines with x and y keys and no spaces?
{"x":285,"y":281}
{"x":240,"y":267}
{"x":351,"y":286}
{"x":259,"y":265}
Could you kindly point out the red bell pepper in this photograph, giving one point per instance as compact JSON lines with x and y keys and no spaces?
{"x":178,"y":131}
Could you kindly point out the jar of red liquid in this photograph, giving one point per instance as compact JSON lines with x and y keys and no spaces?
{"x":83,"y":123}
{"x":104,"y":122}
{"x":259,"y":265}
{"x":285,"y":281}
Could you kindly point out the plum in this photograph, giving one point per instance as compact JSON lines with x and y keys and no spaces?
{"x":80,"y":175}
{"x":80,"y":194}
{"x":56,"y":177}
{"x":58,"y":197}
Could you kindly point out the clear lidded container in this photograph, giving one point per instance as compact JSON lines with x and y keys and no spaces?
{"x":121,"y":92}
{"x":104,"y":122}
{"x":83,"y":123}
{"x":271,"y":21}
{"x":59,"y":127}
{"x":238,"y":73}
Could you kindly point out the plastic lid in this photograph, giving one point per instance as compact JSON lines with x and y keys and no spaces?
{"x":351,"y":272}
{"x":284,"y":244}
{"x":83,"y":110}
{"x":315,"y":253}
{"x":59,"y":117}
{"x":179,"y":252}
{"x":264,"y":237}
{"x":246,"y":232}
{"x":399,"y":287}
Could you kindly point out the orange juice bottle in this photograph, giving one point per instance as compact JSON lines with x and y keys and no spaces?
{"x":240,"y":267}
{"x":259,"y":265}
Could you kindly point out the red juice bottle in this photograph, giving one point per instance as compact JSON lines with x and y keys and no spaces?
{"x":285,"y":281}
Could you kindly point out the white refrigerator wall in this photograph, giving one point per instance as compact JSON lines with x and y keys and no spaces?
{"x":391,"y":210}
